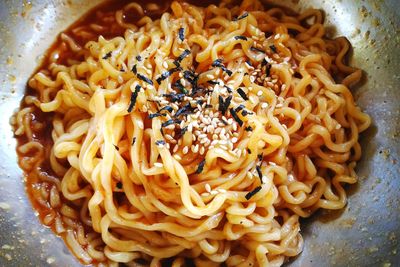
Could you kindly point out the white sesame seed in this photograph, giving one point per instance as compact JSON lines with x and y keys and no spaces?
{"x":272,"y":163}
{"x":205,"y":194}
{"x":279,"y":105}
{"x":223,"y":142}
{"x":234,"y":126}
{"x":169,"y":137}
{"x":264,"y":179}
{"x":223,"y":147}
{"x":196,"y":148}
{"x":165,"y":64}
{"x":210,"y":76}
{"x":190,"y":127}
{"x":175,"y":148}
{"x":214,"y":192}
{"x":252,"y":79}
{"x":249,"y":175}
{"x":284,"y":126}
{"x":207,"y":187}
{"x":185,"y":150}
{"x":221,"y":190}
{"x":140,"y":125}
{"x":201,"y":136}
{"x":230,"y":146}
{"x":158,"y":164}
{"x":234,"y":140}
{"x":264,"y":105}
{"x":259,"y":93}
{"x":290,"y":177}
{"x":239,"y":153}
{"x":202,"y":150}
{"x":177,"y":157}
{"x":204,"y":140}
{"x":338,"y":126}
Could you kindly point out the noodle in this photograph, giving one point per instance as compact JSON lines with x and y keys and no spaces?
{"x":203,"y":134}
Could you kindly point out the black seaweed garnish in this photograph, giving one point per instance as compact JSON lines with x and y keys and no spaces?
{"x":134,"y":96}
{"x":201,"y":166}
{"x":236,"y":117}
{"x":253,"y":192}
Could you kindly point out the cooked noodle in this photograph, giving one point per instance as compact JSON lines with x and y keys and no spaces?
{"x":203,"y":134}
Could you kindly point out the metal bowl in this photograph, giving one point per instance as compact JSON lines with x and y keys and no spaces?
{"x":365,"y":233}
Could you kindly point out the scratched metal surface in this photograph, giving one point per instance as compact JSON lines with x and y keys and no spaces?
{"x":365,"y":233}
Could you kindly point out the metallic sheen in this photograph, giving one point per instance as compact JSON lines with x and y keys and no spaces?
{"x":365,"y":233}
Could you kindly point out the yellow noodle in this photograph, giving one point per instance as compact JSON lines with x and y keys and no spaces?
{"x":234,"y":185}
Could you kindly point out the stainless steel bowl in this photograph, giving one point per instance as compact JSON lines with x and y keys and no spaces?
{"x":365,"y":233}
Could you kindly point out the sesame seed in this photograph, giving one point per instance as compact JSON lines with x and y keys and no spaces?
{"x":169,"y":137}
{"x":249,"y":175}
{"x":230,"y":146}
{"x":201,"y":136}
{"x":177,"y":157}
{"x":264,"y":179}
{"x":234,"y":140}
{"x":204,"y":140}
{"x":175,"y":148}
{"x":205,"y":194}
{"x":210,"y":76}
{"x":196,"y":148}
{"x":264,"y":105}
{"x":239,"y":153}
{"x":223,"y":147}
{"x":272,"y":163}
{"x":202,"y":150}
{"x":158,"y":164}
{"x":284,"y":126}
{"x":221,"y":190}
{"x":214,"y":192}
{"x":338,"y":126}
{"x":207,"y":187}
{"x":185,"y":150}
{"x":279,"y":105}
{"x":252,"y":79}
{"x":223,"y":142}
{"x":234,"y":126}
{"x":259,"y":93}
{"x":165,"y":64}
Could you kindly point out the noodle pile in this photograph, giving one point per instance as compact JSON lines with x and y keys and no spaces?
{"x":203,"y":134}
